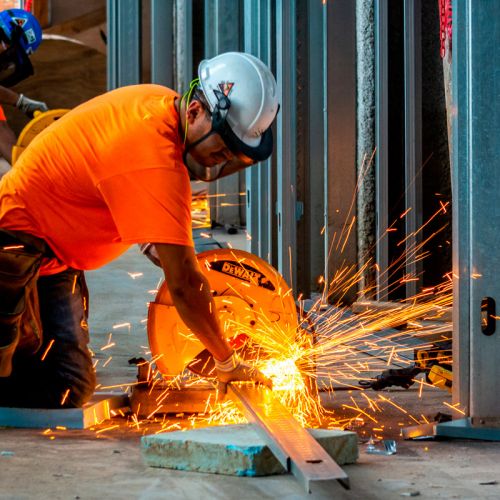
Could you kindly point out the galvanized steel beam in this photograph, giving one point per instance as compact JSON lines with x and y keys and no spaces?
{"x":413,"y":142}
{"x":124,"y":42}
{"x":183,"y":44}
{"x":476,"y":211}
{"x":222,"y":34}
{"x":315,"y":199}
{"x":162,"y":38}
{"x":461,"y":209}
{"x":257,"y":41}
{"x":341,"y":145}
{"x":381,"y":144}
{"x":296,"y":450}
{"x":286,"y":203}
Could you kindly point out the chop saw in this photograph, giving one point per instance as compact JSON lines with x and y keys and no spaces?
{"x":252,"y":301}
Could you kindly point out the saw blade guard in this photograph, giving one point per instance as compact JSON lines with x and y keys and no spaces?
{"x":251,"y":298}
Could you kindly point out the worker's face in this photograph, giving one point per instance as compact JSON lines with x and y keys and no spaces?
{"x":211,"y":151}
{"x":206,"y":155}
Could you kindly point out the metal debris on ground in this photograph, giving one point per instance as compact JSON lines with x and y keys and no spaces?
{"x":390,"y":447}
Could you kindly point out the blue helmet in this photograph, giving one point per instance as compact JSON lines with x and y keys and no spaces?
{"x":30,"y":35}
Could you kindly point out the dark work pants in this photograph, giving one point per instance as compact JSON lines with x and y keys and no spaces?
{"x":65,"y":377}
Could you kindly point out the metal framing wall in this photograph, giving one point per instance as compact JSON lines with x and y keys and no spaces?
{"x":312,"y":49}
{"x":314,"y":157}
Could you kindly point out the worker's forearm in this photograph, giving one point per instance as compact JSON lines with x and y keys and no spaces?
{"x":8,"y":96}
{"x":196,"y":307}
{"x":7,"y":141}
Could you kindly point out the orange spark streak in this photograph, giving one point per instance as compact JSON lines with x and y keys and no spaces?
{"x":454,"y":408}
{"x":65,"y":396}
{"x":51,"y":343}
{"x":107,"y":429}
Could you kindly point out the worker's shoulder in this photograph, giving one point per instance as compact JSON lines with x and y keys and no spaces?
{"x":141,"y":91}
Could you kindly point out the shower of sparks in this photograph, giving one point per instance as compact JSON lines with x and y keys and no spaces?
{"x":332,"y":348}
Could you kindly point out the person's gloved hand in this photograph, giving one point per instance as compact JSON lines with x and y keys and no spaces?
{"x":29,"y":106}
{"x":235,"y":369}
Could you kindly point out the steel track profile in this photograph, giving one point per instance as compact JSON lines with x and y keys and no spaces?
{"x":297,"y":451}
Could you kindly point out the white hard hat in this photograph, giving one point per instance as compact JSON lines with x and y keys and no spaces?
{"x":251,"y":89}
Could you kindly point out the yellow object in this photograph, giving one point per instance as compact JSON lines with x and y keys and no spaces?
{"x":40,"y":122}
{"x":441,"y":377}
{"x":249,"y":295}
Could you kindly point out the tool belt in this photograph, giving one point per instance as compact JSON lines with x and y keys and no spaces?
{"x":20,"y":325}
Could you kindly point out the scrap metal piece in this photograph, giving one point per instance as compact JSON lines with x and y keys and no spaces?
{"x":390,"y":448}
{"x":291,"y":444}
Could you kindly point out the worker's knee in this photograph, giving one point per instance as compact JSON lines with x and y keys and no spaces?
{"x":78,"y":393}
{"x":75,"y":378}
{"x":67,"y":389}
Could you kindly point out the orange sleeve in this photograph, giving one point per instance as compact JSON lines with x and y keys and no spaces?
{"x":150,"y":205}
{"x":3,"y":118}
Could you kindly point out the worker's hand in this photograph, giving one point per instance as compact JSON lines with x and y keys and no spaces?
{"x":29,"y":106}
{"x":236,"y":370}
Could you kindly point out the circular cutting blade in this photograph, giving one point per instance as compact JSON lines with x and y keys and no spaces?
{"x":249,"y":294}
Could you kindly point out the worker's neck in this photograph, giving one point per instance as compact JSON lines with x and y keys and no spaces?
{"x":180,"y":108}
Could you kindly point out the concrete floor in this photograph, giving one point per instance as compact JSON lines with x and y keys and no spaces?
{"x":89,"y":465}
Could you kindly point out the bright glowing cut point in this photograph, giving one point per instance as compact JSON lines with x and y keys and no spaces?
{"x":284,"y":374}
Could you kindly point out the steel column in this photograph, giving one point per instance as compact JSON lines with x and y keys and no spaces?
{"x":315,"y":199}
{"x":183,"y":44}
{"x":476,"y":178}
{"x":162,"y":50}
{"x":222,"y":28}
{"x":461,"y":209}
{"x":286,"y":139}
{"x":341,"y":176}
{"x":381,"y":144}
{"x":413,"y":140}
{"x":124,"y":42}
{"x":257,"y":29}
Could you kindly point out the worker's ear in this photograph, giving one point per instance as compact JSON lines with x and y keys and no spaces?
{"x":195,"y":111}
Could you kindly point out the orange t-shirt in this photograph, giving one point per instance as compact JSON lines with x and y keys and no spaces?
{"x":104,"y":176}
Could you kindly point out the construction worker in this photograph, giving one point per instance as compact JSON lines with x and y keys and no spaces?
{"x":113,"y":172}
{"x":20,"y":36}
